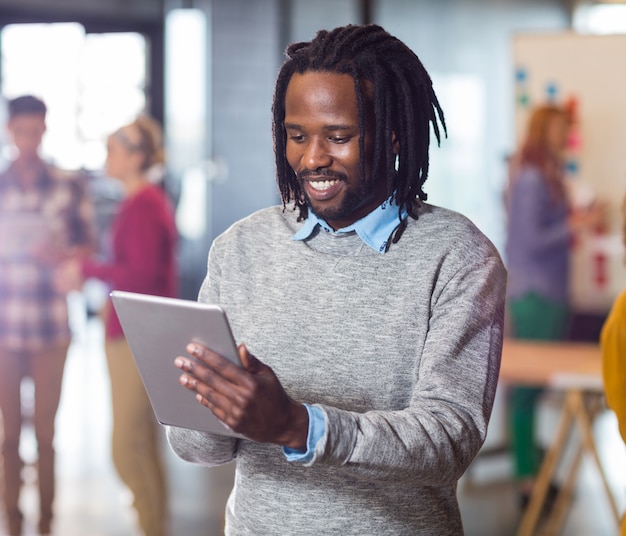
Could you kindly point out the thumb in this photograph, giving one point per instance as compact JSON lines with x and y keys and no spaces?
{"x":249,"y":362}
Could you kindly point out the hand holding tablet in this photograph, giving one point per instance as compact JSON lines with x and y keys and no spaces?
{"x":157,"y":330}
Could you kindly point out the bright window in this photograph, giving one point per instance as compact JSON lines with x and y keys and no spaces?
{"x":601,"y":19}
{"x":91,"y":84}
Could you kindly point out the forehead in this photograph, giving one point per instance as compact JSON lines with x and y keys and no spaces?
{"x":27,"y":121}
{"x":126,"y":136}
{"x":131,"y":133}
{"x":322,"y":94}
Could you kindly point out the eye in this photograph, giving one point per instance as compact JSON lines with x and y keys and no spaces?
{"x":340,"y":139}
{"x":296,"y":137}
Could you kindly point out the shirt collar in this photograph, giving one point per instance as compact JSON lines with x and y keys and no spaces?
{"x":374,"y":229}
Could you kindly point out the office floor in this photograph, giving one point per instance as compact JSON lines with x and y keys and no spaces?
{"x":91,"y":501}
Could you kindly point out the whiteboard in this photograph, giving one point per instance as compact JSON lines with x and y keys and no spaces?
{"x":590,"y":72}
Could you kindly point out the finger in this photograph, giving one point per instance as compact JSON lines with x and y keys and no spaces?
{"x":216,"y":363}
{"x":204,"y":394}
{"x":221,"y":405}
{"x":208,"y":383}
{"x":187,"y":381}
{"x":201,"y":352}
{"x":194,"y":372}
{"x":194,"y":368}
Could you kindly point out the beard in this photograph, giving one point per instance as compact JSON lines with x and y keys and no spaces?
{"x":354,"y":198}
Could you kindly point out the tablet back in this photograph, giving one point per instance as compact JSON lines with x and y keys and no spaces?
{"x":157,"y":330}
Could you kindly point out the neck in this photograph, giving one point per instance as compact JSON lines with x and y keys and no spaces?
{"x":135,"y":184}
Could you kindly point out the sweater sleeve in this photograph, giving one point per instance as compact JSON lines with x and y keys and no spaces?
{"x":613,"y":342}
{"x":201,"y":448}
{"x":437,"y":436}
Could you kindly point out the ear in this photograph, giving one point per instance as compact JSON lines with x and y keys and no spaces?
{"x":395,"y":143}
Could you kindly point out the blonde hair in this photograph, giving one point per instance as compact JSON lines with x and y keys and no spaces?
{"x":150,"y":142}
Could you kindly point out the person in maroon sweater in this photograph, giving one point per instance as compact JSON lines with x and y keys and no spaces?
{"x":144,"y":238}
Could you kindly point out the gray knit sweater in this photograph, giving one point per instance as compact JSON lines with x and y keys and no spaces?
{"x":400,"y":350}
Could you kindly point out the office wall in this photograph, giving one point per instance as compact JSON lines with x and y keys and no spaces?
{"x":307,"y":17}
{"x":246,"y":54}
{"x":466,"y":45}
{"x":141,"y":10}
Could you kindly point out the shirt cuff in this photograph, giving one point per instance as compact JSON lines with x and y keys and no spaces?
{"x":317,"y":429}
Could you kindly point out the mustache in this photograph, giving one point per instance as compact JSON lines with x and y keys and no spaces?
{"x":321,"y":173}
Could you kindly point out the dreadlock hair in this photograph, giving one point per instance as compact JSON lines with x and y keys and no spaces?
{"x":403,"y":101}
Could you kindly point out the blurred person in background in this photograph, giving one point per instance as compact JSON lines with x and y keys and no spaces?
{"x":613,"y":342}
{"x":143,"y":259}
{"x":45,"y":219}
{"x":541,"y":227}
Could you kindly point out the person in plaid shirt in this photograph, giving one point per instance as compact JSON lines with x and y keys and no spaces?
{"x":45,"y":218}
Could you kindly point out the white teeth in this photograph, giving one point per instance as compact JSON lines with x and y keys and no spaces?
{"x":321,"y":185}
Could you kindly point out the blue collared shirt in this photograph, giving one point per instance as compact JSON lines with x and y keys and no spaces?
{"x":317,"y":428}
{"x":375,"y":230}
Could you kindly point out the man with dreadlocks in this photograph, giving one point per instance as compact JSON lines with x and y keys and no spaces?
{"x":377,"y":317}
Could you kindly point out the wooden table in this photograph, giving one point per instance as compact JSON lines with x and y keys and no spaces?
{"x":576,"y":370}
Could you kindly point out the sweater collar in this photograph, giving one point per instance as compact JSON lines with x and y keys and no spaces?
{"x":374,"y":229}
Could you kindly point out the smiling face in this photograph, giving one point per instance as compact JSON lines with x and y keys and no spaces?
{"x":322,"y":126}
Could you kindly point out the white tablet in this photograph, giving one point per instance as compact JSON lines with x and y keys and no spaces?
{"x":157,"y":330}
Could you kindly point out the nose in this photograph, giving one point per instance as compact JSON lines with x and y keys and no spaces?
{"x":316,"y":154}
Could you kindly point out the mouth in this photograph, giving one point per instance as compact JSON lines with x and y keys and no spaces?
{"x":322,"y":185}
{"x":321,"y":188}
